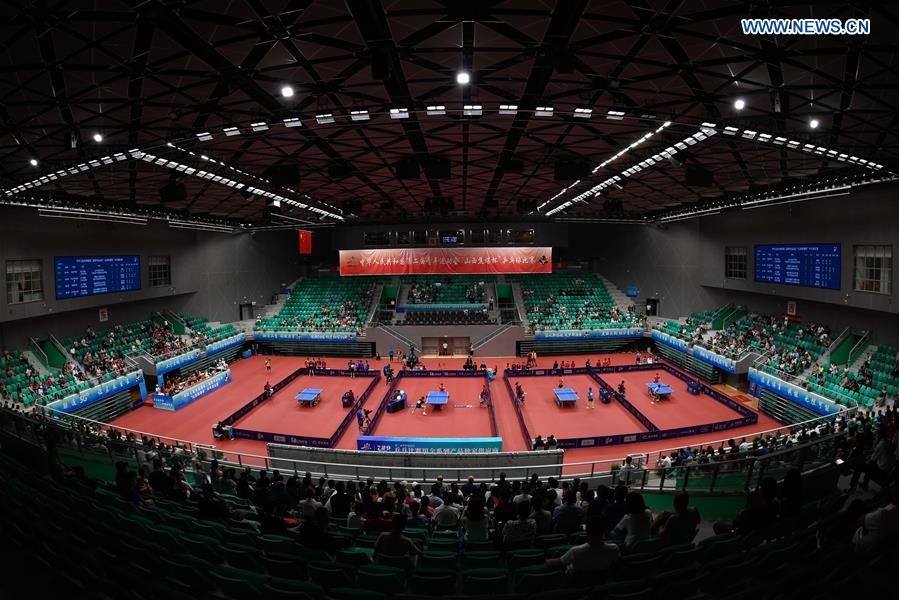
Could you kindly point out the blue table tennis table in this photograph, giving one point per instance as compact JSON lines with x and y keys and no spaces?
{"x":309,"y":397}
{"x":565,"y":396}
{"x":659,"y":391}
{"x":438,"y":399}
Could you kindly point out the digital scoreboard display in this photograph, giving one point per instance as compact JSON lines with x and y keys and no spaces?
{"x":811,"y":265}
{"x":78,"y":276}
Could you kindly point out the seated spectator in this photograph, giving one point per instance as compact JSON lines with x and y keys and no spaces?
{"x":519,"y":533}
{"x":636,"y":524}
{"x":314,"y":532}
{"x":416,"y":519}
{"x":447,"y":515}
{"x":681,"y":526}
{"x":475,"y":521}
{"x":591,"y":559}
{"x":393,"y":542}
{"x":880,"y":527}
{"x":568,"y":517}
{"x":356,"y":517}
{"x":542,"y":517}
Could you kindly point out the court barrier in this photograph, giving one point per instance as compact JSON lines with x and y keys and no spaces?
{"x":654,"y":433}
{"x":300,"y":440}
{"x":414,"y":466}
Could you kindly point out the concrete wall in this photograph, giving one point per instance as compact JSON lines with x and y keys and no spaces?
{"x":211,"y":272}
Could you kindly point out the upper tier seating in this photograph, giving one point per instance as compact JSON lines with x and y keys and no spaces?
{"x":20,"y":382}
{"x":562,"y":301}
{"x":446,"y":289}
{"x":204,"y":333}
{"x":326,"y":304}
{"x":103,"y":352}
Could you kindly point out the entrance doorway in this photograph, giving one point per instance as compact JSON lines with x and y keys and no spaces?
{"x":246,"y":311}
{"x":652,"y":307}
{"x":445,"y":346}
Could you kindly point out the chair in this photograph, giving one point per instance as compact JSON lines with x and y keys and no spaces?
{"x":550,"y":539}
{"x":437,"y":560}
{"x":476,"y":560}
{"x":652,"y":545}
{"x":445,"y":544}
{"x":381,"y":578}
{"x":636,"y":566}
{"x":681,"y":558}
{"x":433,"y":582}
{"x":517,"y":559}
{"x":276,"y":543}
{"x":314,"y":591}
{"x":328,"y":574}
{"x":481,"y":582}
{"x":285,"y":566}
{"x":239,"y":536}
{"x":353,"y":556}
{"x":537,"y":578}
{"x":197,"y":579}
{"x":480,"y":546}
{"x":235,"y":587}
{"x":273,"y":593}
{"x":243,"y":557}
{"x":406,"y":563}
{"x":354,"y":594}
{"x":619,"y":589}
{"x":203,"y":547}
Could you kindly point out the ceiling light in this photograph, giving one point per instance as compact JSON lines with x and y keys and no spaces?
{"x":324,"y":118}
{"x":259,"y":126}
{"x":292,"y":122}
{"x":472,"y":110}
{"x":544,"y":111}
{"x":583,"y":113}
{"x":359,"y":115}
{"x":399,"y":113}
{"x":615,"y":115}
{"x":508,"y":109}
{"x":740,"y":104}
{"x":33,"y":162}
{"x":203,"y":137}
{"x":436,"y":109}
{"x":814,"y":123}
{"x":462,"y":78}
{"x":231,"y":131}
{"x":287,"y":91}
{"x":98,"y":137}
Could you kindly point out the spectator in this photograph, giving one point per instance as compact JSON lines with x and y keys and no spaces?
{"x":447,"y":515}
{"x":568,"y":517}
{"x":519,"y":533}
{"x":542,"y":517}
{"x":636,"y":524}
{"x":681,"y":526}
{"x":416,"y":519}
{"x":879,"y":527}
{"x":393,"y":542}
{"x":314,"y":532}
{"x":591,"y":559}
{"x":475,"y":521}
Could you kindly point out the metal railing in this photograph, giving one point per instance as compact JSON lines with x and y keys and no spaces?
{"x":856,"y":350}
{"x":727,"y":475}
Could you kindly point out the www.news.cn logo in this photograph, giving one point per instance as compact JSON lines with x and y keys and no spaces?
{"x":806,"y":26}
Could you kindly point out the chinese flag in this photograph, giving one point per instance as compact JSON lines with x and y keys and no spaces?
{"x":305,"y":241}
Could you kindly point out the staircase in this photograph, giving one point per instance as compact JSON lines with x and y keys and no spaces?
{"x":399,"y":336}
{"x":621,"y":299}
{"x":519,"y":304}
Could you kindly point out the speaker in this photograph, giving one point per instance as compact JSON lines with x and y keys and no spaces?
{"x":697,"y":176}
{"x":173,"y":191}
{"x":437,"y":168}
{"x":512,"y":166}
{"x":569,"y":170}
{"x":380,"y":64}
{"x":339,"y":169}
{"x":283,"y":175}
{"x":407,"y":168}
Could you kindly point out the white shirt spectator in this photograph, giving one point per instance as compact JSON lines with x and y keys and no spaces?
{"x":587,"y":558}
{"x":635,"y":527}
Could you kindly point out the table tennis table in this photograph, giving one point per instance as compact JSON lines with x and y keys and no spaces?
{"x":659,"y":391}
{"x":565,"y":396}
{"x":438,"y":399}
{"x":309,"y":397}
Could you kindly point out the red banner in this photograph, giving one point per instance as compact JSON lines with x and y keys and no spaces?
{"x":305,"y":241}
{"x":410,"y":261}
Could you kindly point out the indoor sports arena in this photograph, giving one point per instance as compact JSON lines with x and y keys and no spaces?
{"x":389,"y":300}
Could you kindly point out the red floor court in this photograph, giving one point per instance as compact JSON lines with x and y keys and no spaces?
{"x":194,"y":422}
{"x":461,"y":417}
{"x":543,"y":416}
{"x":680,"y":410}
{"x":283,"y":414}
